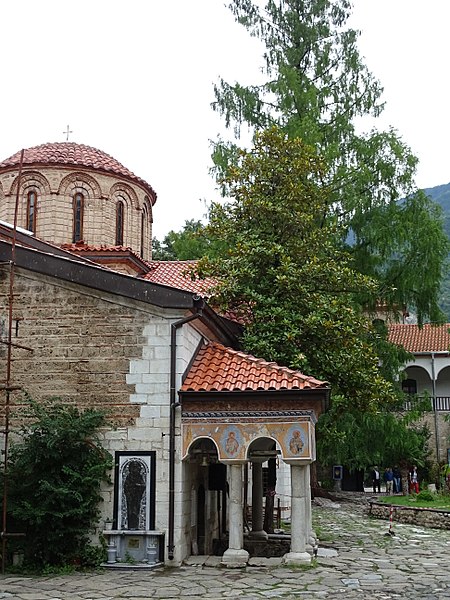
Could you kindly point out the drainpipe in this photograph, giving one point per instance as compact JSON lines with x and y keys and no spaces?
{"x":436,"y":416}
{"x":198,"y":305}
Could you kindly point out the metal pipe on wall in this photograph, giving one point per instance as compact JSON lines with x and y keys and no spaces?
{"x":198,"y":305}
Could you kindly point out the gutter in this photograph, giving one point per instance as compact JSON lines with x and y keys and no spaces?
{"x":198,"y":305}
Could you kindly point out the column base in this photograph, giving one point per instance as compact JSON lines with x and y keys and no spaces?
{"x":235,"y":559}
{"x":259,"y":535}
{"x":297,"y":558}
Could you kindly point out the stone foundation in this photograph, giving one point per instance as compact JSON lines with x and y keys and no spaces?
{"x":425,"y":517}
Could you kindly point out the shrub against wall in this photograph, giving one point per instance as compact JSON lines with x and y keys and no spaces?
{"x":54,"y":476}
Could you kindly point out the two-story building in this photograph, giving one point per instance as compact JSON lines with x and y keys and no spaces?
{"x":428,"y":373}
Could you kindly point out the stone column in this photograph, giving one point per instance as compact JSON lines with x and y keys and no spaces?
{"x":311,"y":538}
{"x":257,"y":502}
{"x":300,"y":527}
{"x":235,"y":555}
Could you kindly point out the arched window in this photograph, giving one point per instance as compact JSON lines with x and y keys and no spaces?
{"x":145,"y":231}
{"x":78,"y":210}
{"x":142,"y":233}
{"x":31,"y":211}
{"x":120,"y":214}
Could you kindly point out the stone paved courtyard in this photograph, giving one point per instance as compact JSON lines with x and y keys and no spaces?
{"x":356,"y":560}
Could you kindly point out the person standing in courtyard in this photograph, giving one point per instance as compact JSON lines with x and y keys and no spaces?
{"x":376,"y":480}
{"x":389,"y":480}
{"x":413,"y":481}
{"x":397,"y":480}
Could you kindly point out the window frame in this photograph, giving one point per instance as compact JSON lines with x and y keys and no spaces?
{"x":78,"y":216}
{"x":33,"y":219}
{"x":120,"y":222}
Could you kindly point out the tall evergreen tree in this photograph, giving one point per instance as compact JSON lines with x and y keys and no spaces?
{"x":317,"y":87}
{"x":284,"y":275}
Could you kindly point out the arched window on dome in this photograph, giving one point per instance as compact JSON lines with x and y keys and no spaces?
{"x":31,"y":211}
{"x":144,"y":230}
{"x":120,"y":217}
{"x":78,"y":214}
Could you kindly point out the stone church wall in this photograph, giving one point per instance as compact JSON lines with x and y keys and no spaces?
{"x":99,"y":350}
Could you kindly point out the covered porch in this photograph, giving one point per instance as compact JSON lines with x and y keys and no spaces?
{"x":228,"y":432}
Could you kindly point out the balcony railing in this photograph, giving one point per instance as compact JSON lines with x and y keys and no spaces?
{"x":439,"y":403}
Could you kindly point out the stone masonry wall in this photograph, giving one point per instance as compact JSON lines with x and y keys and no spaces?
{"x":443,"y":434}
{"x":100,"y":350}
{"x":425,"y":517}
{"x":55,"y":188}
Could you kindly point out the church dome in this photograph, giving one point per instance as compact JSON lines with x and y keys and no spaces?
{"x":71,"y":193}
{"x":69,"y":154}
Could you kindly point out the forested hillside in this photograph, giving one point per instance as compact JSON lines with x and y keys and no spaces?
{"x":441,"y":195}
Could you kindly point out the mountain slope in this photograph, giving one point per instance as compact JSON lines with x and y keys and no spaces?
{"x":441,"y":195}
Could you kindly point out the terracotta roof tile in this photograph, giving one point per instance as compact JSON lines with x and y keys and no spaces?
{"x":176,"y":273}
{"x":69,"y":153}
{"x":428,"y":338}
{"x":217,"y":368}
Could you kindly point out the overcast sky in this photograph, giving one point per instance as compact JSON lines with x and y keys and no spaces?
{"x":135,"y":79}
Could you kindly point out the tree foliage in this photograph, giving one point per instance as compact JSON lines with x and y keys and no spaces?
{"x":285,"y":275}
{"x":188,"y":244}
{"x":54,"y":478}
{"x":366,"y":438}
{"x":317,"y":88}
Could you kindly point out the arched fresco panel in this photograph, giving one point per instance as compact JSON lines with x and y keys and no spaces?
{"x":232,"y":437}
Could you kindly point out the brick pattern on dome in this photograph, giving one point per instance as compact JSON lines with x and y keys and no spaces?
{"x":217,"y":368}
{"x":428,"y":338}
{"x":176,"y":273}
{"x":82,"y":247}
{"x":69,"y":153}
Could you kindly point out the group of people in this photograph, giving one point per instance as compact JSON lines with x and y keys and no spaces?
{"x":391,"y":477}
{"x":393,"y":480}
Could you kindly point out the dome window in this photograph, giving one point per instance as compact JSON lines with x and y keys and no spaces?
{"x":78,"y":213}
{"x":120,"y":212}
{"x":31,"y":211}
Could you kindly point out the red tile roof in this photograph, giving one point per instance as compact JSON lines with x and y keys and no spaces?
{"x":69,"y":153}
{"x":176,"y":273}
{"x":220,"y":369}
{"x":428,"y":338}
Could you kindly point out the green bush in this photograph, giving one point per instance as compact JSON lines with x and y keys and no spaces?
{"x":54,"y":479}
{"x":425,"y":496}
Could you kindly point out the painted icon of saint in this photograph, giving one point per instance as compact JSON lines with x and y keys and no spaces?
{"x":231,"y":445}
{"x":295,"y":443}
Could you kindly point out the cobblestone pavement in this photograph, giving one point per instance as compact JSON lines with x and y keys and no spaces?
{"x":357,"y":559}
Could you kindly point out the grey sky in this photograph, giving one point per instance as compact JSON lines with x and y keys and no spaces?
{"x":135,"y":79}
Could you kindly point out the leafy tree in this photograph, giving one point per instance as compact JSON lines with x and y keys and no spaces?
{"x":54,"y":478}
{"x":188,"y":244}
{"x":286,"y":277}
{"x":368,"y":438}
{"x":317,"y":88}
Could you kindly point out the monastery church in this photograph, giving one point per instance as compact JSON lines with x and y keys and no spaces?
{"x":97,"y":323}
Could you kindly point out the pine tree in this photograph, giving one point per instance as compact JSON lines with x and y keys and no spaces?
{"x":317,"y":89}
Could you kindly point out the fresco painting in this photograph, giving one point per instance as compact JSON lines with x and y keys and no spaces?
{"x":296,"y":440}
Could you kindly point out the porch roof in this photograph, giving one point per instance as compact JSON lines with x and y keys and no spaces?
{"x":217,"y":368}
{"x":428,"y":338}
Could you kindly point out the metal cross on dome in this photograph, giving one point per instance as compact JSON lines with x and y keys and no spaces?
{"x":67,"y":133}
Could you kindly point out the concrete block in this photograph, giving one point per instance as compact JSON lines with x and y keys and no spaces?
{"x":148,"y":412}
{"x":138,"y":398}
{"x":139,"y":366}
